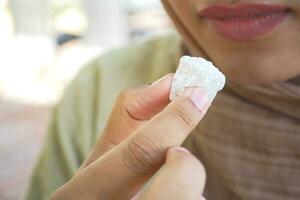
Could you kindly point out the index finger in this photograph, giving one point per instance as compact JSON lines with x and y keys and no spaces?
{"x":134,"y":107}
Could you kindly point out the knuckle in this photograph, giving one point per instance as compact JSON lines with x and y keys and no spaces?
{"x":128,"y":102}
{"x":142,"y":154}
{"x":183,"y":114}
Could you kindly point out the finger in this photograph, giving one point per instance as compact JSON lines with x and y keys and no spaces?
{"x":126,"y":167}
{"x":182,"y":177}
{"x":136,"y":106}
{"x":143,"y":103}
{"x":133,"y":108}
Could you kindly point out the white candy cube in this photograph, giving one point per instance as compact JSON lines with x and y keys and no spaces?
{"x":197,"y":72}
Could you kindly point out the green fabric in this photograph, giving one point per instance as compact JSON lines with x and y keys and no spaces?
{"x":82,"y":113}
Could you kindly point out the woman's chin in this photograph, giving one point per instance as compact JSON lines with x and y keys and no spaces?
{"x":256,"y":75}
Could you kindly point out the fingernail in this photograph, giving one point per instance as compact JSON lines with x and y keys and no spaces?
{"x":202,"y":198}
{"x":199,"y":98}
{"x":161,"y":79}
{"x":173,"y":152}
{"x":181,"y":149}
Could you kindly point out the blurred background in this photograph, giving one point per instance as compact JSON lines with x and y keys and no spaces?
{"x":43,"y":44}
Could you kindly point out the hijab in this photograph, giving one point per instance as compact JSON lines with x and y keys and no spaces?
{"x":249,"y":141}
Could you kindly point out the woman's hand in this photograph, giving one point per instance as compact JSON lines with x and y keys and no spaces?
{"x":141,"y":142}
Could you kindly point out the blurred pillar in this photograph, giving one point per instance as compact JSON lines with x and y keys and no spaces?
{"x":31,"y":17}
{"x":107,"y":23}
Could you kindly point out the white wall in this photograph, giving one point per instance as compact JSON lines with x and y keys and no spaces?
{"x":31,"y":17}
{"x":107,"y":23}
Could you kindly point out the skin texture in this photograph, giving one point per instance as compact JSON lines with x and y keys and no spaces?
{"x":144,"y":146}
{"x":268,"y":58}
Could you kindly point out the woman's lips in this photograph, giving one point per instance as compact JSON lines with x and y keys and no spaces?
{"x":245,"y":21}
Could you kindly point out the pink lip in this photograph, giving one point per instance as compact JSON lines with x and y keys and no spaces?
{"x":245,"y":21}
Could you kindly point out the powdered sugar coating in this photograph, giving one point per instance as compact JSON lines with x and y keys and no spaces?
{"x":197,"y":72}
